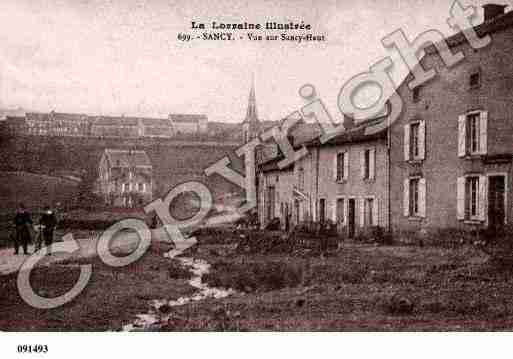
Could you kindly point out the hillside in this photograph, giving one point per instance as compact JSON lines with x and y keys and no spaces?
{"x":173,"y":162}
{"x":34,"y":190}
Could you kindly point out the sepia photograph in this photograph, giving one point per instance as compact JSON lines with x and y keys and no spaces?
{"x":256,"y":166}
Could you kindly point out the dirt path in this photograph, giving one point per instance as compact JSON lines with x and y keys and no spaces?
{"x":123,"y":243}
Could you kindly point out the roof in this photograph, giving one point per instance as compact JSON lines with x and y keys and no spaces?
{"x":127,"y":158}
{"x":273,"y":165}
{"x":67,"y":116}
{"x":305,"y":132}
{"x":187,"y":118}
{"x":496,"y":24}
{"x":36,"y":116}
{"x":14,"y":118}
{"x":355,"y":135}
{"x":114,"y":121}
{"x":159,"y":122}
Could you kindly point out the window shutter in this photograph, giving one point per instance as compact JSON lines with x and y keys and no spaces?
{"x":422,"y":197}
{"x":372,"y":163}
{"x":362,"y":212}
{"x":422,"y":140}
{"x":375,"y":212}
{"x":346,"y":165}
{"x":460,"y":197}
{"x":483,"y":128}
{"x":406,"y":197}
{"x":346,"y":210}
{"x":483,"y":186}
{"x":335,"y":166}
{"x":462,"y":132}
{"x":362,"y":163}
{"x":406,"y":145}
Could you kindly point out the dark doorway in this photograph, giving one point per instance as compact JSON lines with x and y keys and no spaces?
{"x":296,"y":210}
{"x":496,"y":202}
{"x":322,"y":210}
{"x":271,"y":204}
{"x":351,"y":209}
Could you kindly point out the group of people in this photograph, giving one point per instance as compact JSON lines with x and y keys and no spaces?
{"x":23,"y":225}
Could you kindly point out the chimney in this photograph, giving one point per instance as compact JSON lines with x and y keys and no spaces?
{"x":491,"y":11}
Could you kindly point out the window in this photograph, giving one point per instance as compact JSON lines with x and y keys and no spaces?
{"x":140,"y":187}
{"x":414,"y":196}
{"x":414,"y":140}
{"x":123,"y":188}
{"x":472,"y":197}
{"x":369,"y":211}
{"x":414,"y":204}
{"x":472,"y":133}
{"x":475,"y":79}
{"x":416,"y":94}
{"x":366,"y":164}
{"x":341,"y":166}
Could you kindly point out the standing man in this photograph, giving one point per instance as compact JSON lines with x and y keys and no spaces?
{"x":22,"y":221}
{"x":48,"y":222}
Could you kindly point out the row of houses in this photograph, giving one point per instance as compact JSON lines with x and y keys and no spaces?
{"x":81,"y":125}
{"x":446,"y":162}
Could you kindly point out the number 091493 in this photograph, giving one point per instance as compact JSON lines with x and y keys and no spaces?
{"x":38,"y":348}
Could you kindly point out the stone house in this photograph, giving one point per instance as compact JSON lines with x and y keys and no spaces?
{"x":344,"y":180}
{"x":125,"y":178}
{"x":188,"y":124}
{"x":451,"y":148}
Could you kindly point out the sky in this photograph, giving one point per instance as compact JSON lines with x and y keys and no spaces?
{"x":122,"y":57}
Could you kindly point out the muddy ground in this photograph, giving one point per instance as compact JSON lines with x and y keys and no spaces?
{"x":112,"y":298}
{"x":360,"y":287}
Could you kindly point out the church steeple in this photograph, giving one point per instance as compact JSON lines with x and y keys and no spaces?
{"x":251,"y":113}
{"x":251,"y":124}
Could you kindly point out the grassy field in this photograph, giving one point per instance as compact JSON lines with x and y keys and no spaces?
{"x":360,"y":287}
{"x":34,"y":190}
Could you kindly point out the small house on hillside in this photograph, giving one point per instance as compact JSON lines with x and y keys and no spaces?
{"x":125,"y":178}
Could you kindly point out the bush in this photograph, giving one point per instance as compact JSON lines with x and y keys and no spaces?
{"x":498,"y":244}
{"x":249,"y":277}
{"x":375,"y":234}
{"x":92,"y":224}
{"x":177,"y":271}
{"x":216,"y":235}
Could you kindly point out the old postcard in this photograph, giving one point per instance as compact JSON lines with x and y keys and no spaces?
{"x":263,"y":166}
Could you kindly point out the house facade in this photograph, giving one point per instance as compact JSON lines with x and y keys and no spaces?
{"x":451,"y":149}
{"x":344,"y":180}
{"x":188,"y":124}
{"x":54,"y":124}
{"x":275,"y":193}
{"x":81,"y":125}
{"x":125,"y":178}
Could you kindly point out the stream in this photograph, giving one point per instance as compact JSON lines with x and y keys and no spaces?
{"x":154,"y":319}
